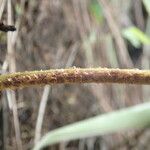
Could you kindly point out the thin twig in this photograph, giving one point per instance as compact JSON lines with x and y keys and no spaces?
{"x":115,"y":30}
{"x":41,"y":113}
{"x":12,"y":68}
{"x":74,"y":75}
{"x":2,"y":6}
{"x":46,"y":92}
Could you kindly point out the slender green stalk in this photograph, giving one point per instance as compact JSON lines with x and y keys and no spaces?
{"x":74,"y":75}
{"x":130,"y":118}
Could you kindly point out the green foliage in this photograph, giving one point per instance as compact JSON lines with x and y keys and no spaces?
{"x":133,"y":117}
{"x":147,"y":5}
{"x":96,"y":11}
{"x":18,"y":9}
{"x":135,"y":36}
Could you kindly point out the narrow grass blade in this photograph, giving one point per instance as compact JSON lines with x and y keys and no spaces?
{"x":136,"y":36}
{"x":133,"y":117}
{"x":147,"y":5}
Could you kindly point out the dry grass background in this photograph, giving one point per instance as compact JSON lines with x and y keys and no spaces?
{"x":61,"y":34}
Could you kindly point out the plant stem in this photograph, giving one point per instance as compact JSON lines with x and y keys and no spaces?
{"x":74,"y":75}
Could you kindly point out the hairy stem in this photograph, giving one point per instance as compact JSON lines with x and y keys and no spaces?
{"x":74,"y":75}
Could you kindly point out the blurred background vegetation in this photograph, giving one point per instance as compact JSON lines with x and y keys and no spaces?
{"x":67,"y":33}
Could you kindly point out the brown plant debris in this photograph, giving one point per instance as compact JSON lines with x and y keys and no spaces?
{"x":6,"y":28}
{"x":74,"y":75}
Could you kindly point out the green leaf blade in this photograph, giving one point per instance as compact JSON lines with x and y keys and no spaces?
{"x":136,"y":37}
{"x":133,"y":117}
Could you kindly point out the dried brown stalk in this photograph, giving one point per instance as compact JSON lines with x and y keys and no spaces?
{"x":74,"y":75}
